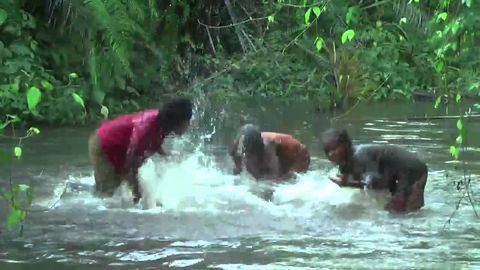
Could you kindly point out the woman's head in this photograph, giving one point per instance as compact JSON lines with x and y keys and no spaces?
{"x":337,"y":145}
{"x":175,"y":115}
{"x":251,"y":140}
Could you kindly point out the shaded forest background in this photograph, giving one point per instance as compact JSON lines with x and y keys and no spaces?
{"x":68,"y":61}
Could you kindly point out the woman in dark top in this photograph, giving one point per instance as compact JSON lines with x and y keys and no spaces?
{"x":378,"y":167}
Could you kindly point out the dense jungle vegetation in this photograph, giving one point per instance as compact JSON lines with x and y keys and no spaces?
{"x":63,"y":60}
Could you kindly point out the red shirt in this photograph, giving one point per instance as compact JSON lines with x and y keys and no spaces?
{"x":138,"y":133}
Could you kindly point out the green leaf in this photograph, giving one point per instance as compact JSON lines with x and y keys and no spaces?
{"x":3,"y":16}
{"x":458,"y":98}
{"x":459,"y":124}
{"x":442,"y":16}
{"x":319,"y":43}
{"x":73,"y":75}
{"x":4,"y":124}
{"x":23,"y":187}
{"x":33,"y":97}
{"x":437,"y":102}
{"x":18,"y":152}
{"x":456,"y":27}
{"x":46,"y":85}
{"x":307,"y":15}
{"x":468,"y":3}
{"x":351,"y":15}
{"x":21,"y":50}
{"x":348,"y":35}
{"x":78,"y":99}
{"x":474,"y":86}
{"x":439,"y":66}
{"x":104,"y":111}
{"x":14,"y":217}
{"x":317,"y":11}
{"x":454,"y":151}
{"x":459,"y":139}
{"x":34,"y":130}
{"x":271,"y":19}
{"x":403,"y":20}
{"x":456,"y":154}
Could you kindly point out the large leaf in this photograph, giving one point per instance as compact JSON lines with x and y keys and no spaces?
{"x":348,"y":35}
{"x":78,"y":99}
{"x":21,"y":50}
{"x":317,"y":11}
{"x":459,"y":124}
{"x":33,"y":130}
{"x":442,"y":16}
{"x":319,"y":42}
{"x":3,"y":16}
{"x":14,"y":217}
{"x":18,"y":152}
{"x":104,"y":111}
{"x":307,"y":16}
{"x":46,"y":85}
{"x":437,"y":102}
{"x":33,"y":97}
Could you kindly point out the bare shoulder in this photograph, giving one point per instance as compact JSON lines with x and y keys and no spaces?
{"x":280,"y":138}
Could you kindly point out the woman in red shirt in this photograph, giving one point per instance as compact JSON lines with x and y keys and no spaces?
{"x":120,"y":146}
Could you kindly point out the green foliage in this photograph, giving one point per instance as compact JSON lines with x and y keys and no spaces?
{"x":18,"y":152}
{"x":348,"y":36}
{"x":33,"y":97}
{"x":454,"y":45}
{"x":19,"y":196}
{"x":78,"y":99}
{"x":127,"y":53}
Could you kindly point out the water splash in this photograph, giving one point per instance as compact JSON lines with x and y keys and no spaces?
{"x":191,"y":180}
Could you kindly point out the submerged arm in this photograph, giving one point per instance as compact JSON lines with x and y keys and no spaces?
{"x":132,"y":163}
{"x":343,"y":181}
{"x":237,"y":158}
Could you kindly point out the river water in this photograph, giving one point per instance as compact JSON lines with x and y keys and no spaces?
{"x":210,"y":219}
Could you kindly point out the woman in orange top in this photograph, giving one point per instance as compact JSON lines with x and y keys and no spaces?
{"x":268,"y":155}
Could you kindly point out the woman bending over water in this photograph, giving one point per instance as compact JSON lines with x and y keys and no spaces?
{"x":268,"y":155}
{"x":378,"y":167}
{"x":119,"y":147}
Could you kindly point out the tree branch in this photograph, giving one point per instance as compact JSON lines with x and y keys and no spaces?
{"x":232,"y":24}
{"x":376,"y":4}
{"x":302,"y":6}
{"x":304,"y":30}
{"x":211,"y":41}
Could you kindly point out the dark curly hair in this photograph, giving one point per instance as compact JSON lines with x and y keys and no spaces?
{"x":252,"y":139}
{"x":175,"y":112}
{"x":339,"y":136}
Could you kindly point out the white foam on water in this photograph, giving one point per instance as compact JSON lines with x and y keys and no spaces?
{"x":189,"y":180}
{"x":193,"y":183}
